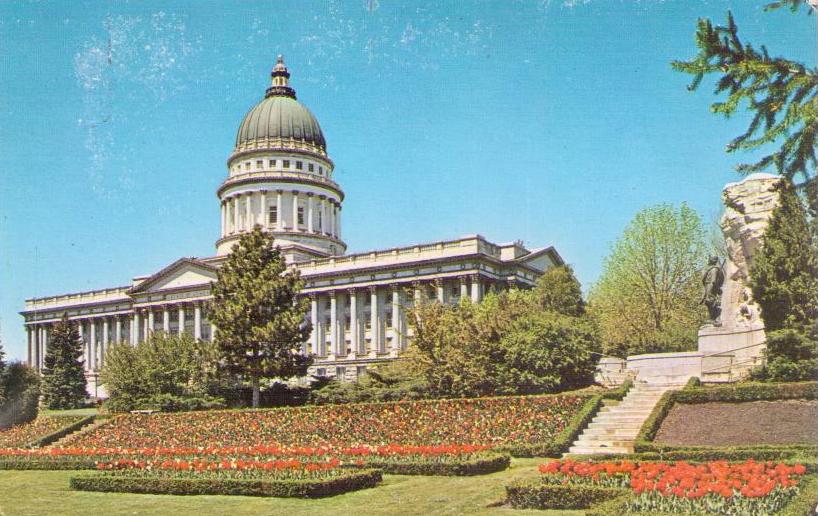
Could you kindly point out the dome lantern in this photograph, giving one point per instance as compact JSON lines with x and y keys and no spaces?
{"x":280,"y":80}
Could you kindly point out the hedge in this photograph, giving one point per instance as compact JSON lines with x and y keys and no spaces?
{"x":563,"y":441}
{"x":480,"y":465}
{"x":62,"y":432}
{"x":797,"y":453}
{"x":315,"y":488}
{"x":692,"y":394}
{"x":537,"y":495}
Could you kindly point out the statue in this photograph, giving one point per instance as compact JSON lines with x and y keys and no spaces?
{"x":713,"y":280}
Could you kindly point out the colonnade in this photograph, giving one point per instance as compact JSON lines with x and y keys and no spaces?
{"x":294,"y":211}
{"x":98,"y":332}
{"x":371,"y":321}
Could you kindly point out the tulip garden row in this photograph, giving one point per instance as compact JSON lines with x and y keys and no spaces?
{"x":716,"y":487}
{"x":507,"y":421}
{"x":457,"y":460}
{"x":40,"y":430}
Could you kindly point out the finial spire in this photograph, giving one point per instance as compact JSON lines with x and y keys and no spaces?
{"x":280,"y":80}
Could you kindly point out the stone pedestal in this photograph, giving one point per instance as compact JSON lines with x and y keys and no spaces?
{"x":729,"y":354}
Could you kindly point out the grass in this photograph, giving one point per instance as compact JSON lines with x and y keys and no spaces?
{"x":92,"y":411}
{"x":40,"y":492}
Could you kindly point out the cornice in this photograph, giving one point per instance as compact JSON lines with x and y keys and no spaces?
{"x":284,"y":178}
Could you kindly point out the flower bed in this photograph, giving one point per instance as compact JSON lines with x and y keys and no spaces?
{"x":715,"y":487}
{"x":41,"y":431}
{"x":485,"y":421}
{"x":406,"y":460}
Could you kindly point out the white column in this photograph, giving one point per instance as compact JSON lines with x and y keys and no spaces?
{"x":332,"y":218}
{"x":374,"y":330}
{"x":92,"y":346}
{"x":150,"y":322}
{"x":213,"y":332}
{"x":354,"y":330}
{"x":235,"y":212}
{"x":475,"y":288}
{"x":262,"y":210}
{"x":315,"y":323}
{"x":181,"y":328}
{"x":166,"y":319}
{"x":30,"y":348}
{"x":295,"y":210}
{"x":440,"y":289}
{"x":322,"y":209}
{"x":118,"y":329}
{"x":135,"y":328}
{"x":37,"y":339}
{"x":224,"y":218}
{"x":105,"y":331}
{"x":197,"y":321}
{"x":310,"y":223}
{"x":396,"y":317}
{"x":248,"y":212}
{"x":279,"y":210}
{"x":338,"y":223}
{"x":464,"y":287}
{"x":81,"y":332}
{"x":333,"y":323}
{"x":418,"y":293}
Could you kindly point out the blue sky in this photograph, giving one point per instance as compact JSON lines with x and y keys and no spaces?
{"x":548,"y":121}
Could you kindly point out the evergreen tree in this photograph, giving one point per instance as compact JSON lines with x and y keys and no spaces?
{"x":258,"y":314}
{"x":784,"y":276}
{"x":63,"y":375}
{"x":781,"y":93}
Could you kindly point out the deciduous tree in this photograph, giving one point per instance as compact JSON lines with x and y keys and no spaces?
{"x":647,"y":298}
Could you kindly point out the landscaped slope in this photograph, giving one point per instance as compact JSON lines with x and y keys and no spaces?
{"x":29,"y":434}
{"x":485,"y":421}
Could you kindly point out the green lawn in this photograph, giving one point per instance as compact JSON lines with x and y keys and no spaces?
{"x":47,"y":492}
{"x":74,"y":412}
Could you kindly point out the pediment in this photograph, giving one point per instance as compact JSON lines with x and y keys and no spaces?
{"x":183,"y":273}
{"x":541,"y":259}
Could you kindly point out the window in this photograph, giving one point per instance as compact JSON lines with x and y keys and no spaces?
{"x":273,"y":219}
{"x":346,"y":321}
{"x":320,"y":221}
{"x":300,"y":214}
{"x":321,"y":371}
{"x":340,"y":373}
{"x":388,"y":317}
{"x":247,"y":166}
{"x":321,"y":170}
{"x":272,"y":163}
{"x":286,"y":163}
{"x":360,"y":370}
{"x":299,"y":165}
{"x":259,"y":164}
{"x":311,"y":167}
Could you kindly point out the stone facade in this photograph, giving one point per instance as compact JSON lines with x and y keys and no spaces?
{"x":281,"y":178}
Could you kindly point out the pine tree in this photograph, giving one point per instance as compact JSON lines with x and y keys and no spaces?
{"x":784,"y":276}
{"x":781,"y":93}
{"x":258,"y":314}
{"x":63,"y":376}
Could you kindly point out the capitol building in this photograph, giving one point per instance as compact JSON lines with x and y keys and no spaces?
{"x":280,"y":176}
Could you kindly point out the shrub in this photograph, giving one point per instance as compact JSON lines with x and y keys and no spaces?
{"x":388,"y":382}
{"x":791,"y":356}
{"x":537,"y":495}
{"x":312,"y":488}
{"x":21,"y":386}
{"x":168,"y":372}
{"x":480,"y":464}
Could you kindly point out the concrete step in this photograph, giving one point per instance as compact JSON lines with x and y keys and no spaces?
{"x":626,"y":410}
{"x":608,"y":443}
{"x":604,"y":424}
{"x":617,"y":419}
{"x":590,"y":450}
{"x":610,"y":433}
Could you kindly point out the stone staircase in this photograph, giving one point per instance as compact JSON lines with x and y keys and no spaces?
{"x":615,"y":426}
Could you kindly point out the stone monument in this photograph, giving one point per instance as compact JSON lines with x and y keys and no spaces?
{"x":735,"y":338}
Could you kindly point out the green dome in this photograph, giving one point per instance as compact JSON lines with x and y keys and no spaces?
{"x":280,"y":115}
